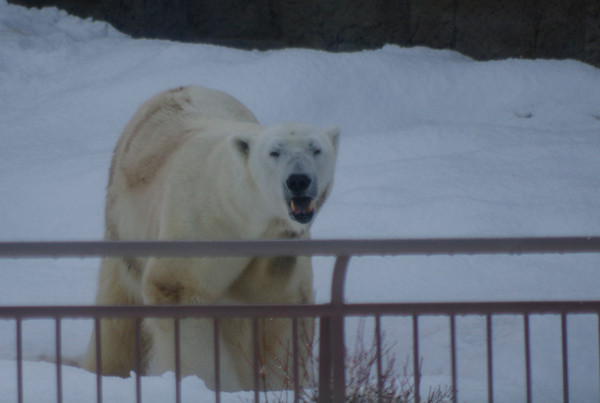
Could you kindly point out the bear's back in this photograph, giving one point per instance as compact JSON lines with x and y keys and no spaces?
{"x":203,"y":103}
{"x":166,"y":121}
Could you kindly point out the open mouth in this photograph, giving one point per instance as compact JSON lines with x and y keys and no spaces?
{"x":302,"y":209}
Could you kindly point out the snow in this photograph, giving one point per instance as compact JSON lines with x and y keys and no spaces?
{"x":434,"y":144}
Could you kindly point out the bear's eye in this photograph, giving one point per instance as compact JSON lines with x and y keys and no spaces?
{"x":316,"y":152}
{"x":274,"y":154}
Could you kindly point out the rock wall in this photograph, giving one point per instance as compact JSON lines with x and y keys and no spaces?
{"x":483,"y":29}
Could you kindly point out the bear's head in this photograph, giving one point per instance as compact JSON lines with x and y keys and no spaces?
{"x":292,"y":167}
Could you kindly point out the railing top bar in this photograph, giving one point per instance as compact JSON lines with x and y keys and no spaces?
{"x":334,"y":247}
{"x":291,"y":311}
{"x":475,"y":308}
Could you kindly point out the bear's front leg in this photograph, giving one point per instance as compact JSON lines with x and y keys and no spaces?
{"x":194,"y":281}
{"x":117,"y":336}
{"x":197,"y":350}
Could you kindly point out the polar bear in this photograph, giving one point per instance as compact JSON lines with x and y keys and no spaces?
{"x":195,"y":164}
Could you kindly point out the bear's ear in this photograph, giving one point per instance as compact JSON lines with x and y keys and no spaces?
{"x":333,"y":133}
{"x":240,"y":146}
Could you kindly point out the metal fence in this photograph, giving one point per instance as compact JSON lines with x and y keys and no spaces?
{"x":331,"y":349}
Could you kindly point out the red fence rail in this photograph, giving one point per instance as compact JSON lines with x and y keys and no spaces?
{"x":332,"y":384}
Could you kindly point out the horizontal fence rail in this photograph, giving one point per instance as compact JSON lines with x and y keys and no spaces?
{"x":298,"y":311}
{"x":354,"y":247}
{"x":331,"y":377}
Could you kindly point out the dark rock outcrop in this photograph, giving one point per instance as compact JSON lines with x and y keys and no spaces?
{"x":483,"y":29}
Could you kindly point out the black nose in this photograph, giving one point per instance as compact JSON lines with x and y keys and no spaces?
{"x":298,"y":183}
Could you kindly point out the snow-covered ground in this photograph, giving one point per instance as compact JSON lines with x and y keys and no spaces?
{"x":434,"y":145}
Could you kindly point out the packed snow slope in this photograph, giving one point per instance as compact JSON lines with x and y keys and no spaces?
{"x":434,"y":144}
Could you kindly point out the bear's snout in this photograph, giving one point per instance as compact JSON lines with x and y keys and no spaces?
{"x":298,"y":183}
{"x":300,"y":197}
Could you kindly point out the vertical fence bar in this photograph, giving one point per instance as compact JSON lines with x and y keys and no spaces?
{"x":338,"y":358}
{"x":324,"y":360}
{"x":98,"y":339}
{"x":138,"y":360}
{"x":453,"y":357}
{"x":177,"y":335}
{"x":527,"y":356}
{"x":58,"y":348}
{"x":216,"y":346}
{"x":19,"y":360}
{"x":379,"y":358}
{"x":598,"y":318}
{"x":565,"y":357}
{"x":296,"y":364}
{"x":416,"y":366}
{"x":256,"y":360}
{"x":490,"y":362}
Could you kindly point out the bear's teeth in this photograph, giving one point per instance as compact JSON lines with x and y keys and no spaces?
{"x":295,"y":209}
